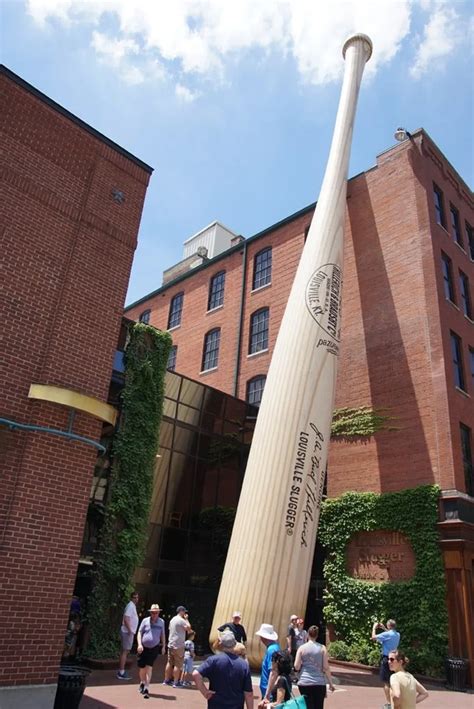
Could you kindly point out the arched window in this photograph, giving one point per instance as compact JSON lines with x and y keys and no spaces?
{"x":145,"y":317}
{"x":210,"y":351}
{"x":259,"y":322}
{"x":255,"y":387}
{"x":216,"y":291}
{"x":176,"y":309}
{"x":171,"y":365}
{"x":262,"y":268}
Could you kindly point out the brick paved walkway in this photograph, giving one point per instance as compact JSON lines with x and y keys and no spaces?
{"x":356,"y":689}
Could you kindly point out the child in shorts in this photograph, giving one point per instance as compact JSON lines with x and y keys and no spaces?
{"x":188,"y":660}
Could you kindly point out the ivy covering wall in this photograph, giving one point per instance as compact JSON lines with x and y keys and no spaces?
{"x":124,"y":532}
{"x":418,"y":605}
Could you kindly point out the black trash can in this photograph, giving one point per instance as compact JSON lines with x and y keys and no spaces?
{"x":456,"y":671}
{"x":71,"y":686}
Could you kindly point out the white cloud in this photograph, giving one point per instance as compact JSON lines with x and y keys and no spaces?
{"x":185,"y":94}
{"x":198,"y":37}
{"x":440,"y":37}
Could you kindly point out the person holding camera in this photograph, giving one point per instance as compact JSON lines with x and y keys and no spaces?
{"x":389,"y":639}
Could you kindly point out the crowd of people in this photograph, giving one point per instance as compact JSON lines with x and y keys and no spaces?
{"x":299,"y":660}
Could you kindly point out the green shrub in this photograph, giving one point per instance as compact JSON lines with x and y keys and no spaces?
{"x":339,"y":650}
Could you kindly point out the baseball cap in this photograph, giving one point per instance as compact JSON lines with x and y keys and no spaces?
{"x":181,"y":609}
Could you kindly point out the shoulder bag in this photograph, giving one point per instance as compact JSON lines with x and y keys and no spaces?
{"x":293,"y":702}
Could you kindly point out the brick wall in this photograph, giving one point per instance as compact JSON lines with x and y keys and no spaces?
{"x":65,"y":259}
{"x":395,"y":349}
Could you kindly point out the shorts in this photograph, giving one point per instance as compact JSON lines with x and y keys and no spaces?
{"x":188,"y":665}
{"x":176,"y":657}
{"x":148,"y":656}
{"x":127,"y":640}
{"x":385,"y":671}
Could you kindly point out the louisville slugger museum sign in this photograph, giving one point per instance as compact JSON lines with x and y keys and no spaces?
{"x":379,"y":556}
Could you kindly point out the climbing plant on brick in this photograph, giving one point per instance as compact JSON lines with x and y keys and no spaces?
{"x":418,"y":605}
{"x":124,"y":532}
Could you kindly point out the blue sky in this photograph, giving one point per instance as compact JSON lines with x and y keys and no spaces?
{"x":233,"y":101}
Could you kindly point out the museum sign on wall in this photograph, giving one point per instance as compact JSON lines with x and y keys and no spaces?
{"x":381,"y":555}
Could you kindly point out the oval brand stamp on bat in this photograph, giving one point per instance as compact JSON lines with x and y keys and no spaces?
{"x":323,"y":300}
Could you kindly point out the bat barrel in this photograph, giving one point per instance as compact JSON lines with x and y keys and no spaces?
{"x":268,"y":564}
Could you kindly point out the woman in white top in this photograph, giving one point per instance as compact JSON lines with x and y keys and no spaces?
{"x":312,"y":660}
{"x":405,"y":691}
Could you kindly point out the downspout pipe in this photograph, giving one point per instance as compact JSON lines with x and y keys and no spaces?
{"x":241,"y":320}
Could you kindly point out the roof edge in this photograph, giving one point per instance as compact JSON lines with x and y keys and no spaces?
{"x":5,"y":71}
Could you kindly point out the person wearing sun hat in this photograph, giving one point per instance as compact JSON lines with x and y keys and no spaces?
{"x":151,"y":640}
{"x":236,"y":627}
{"x":269,"y":638}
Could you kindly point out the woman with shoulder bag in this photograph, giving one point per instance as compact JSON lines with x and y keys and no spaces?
{"x":281,"y":691}
{"x":312,"y":660}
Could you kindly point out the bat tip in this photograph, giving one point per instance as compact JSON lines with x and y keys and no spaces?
{"x":359,"y":38}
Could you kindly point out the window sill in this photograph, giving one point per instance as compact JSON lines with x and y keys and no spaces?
{"x":213,"y":310}
{"x":452,"y":304}
{"x":175,"y":327}
{"x":469,"y":319}
{"x":207,"y":371}
{"x":460,"y":247}
{"x":444,"y":229}
{"x":464,"y":393}
{"x":257,"y":290}
{"x":255,"y":354}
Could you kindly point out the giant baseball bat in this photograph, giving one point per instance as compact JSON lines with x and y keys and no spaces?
{"x":268,"y":565}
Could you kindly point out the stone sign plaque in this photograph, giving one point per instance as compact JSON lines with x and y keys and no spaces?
{"x":381,"y":555}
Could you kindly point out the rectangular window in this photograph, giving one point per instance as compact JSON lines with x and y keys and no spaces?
{"x":145,"y":317}
{"x":456,"y":352}
{"x":172,"y":358}
{"x":262,"y":268}
{"x":466,"y":449}
{"x":471,"y":360}
{"x":447,"y":267}
{"x":465,"y":292}
{"x":210,"y":353}
{"x":255,"y":389}
{"x":259,"y":331}
{"x":456,"y":226}
{"x":176,"y":309}
{"x":216,"y":291}
{"x":439,"y":205}
{"x":470,"y":240}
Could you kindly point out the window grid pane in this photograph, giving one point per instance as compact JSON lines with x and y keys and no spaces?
{"x":172,"y":358}
{"x":456,"y":350}
{"x":210,"y":355}
{"x":439,"y":206}
{"x":455,"y":226}
{"x":262,"y":270}
{"x":448,"y":277}
{"x":255,"y":389}
{"x":216,"y":291}
{"x":259,"y":331}
{"x":145,"y":317}
{"x":465,"y":294}
{"x":176,"y":308}
{"x":467,"y":458}
{"x":470,"y":239}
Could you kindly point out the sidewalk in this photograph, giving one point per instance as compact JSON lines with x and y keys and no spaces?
{"x":356,"y":689}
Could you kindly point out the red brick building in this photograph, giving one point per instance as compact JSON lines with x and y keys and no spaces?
{"x":71,"y":207}
{"x":407,"y":343}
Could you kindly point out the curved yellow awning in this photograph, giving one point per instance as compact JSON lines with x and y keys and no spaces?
{"x":74,"y":400}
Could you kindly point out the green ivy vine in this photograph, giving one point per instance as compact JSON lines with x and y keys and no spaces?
{"x":361,"y":422}
{"x":124,"y":533}
{"x":418,"y":605}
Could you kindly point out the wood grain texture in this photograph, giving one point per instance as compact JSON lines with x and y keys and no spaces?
{"x":269,"y":560}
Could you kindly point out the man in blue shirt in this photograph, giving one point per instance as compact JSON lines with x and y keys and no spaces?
{"x":389,"y":640}
{"x":269,"y":638}
{"x":230,"y":683}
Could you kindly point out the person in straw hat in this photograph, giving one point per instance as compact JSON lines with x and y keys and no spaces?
{"x":269,"y":638}
{"x":151,"y":641}
{"x":230,"y":683}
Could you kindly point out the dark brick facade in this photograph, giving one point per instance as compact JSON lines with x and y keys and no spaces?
{"x":66,"y":252}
